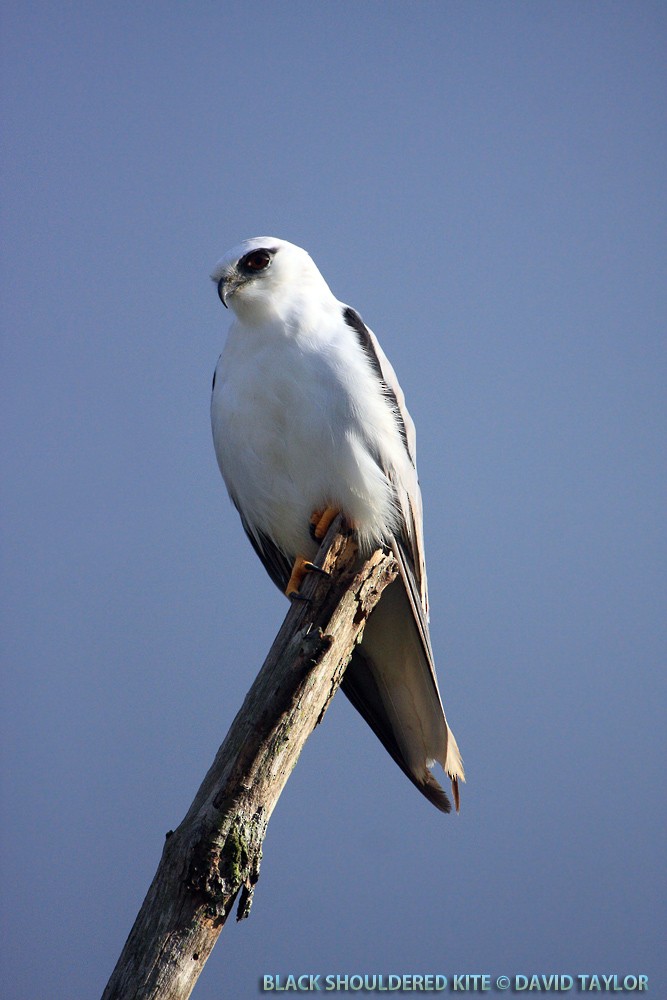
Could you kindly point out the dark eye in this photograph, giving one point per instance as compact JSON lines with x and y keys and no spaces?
{"x":257,"y":260}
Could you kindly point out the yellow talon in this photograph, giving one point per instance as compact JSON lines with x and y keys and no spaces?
{"x":296,"y":577}
{"x":321,"y":521}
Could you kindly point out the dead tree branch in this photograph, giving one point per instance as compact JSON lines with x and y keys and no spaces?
{"x":214,"y":855}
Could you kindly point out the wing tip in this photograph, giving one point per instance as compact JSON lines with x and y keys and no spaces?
{"x":430,"y":788}
{"x":434,"y":792}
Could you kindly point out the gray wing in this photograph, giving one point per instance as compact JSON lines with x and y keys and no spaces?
{"x":391,"y":680}
{"x":408,"y":493}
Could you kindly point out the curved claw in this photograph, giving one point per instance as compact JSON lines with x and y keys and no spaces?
{"x":299,"y":570}
{"x":310,"y":567}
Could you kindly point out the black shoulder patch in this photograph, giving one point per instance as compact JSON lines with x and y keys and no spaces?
{"x":356,"y":323}
{"x":213,"y":383}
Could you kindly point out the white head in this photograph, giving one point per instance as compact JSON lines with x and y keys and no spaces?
{"x":266,"y":278}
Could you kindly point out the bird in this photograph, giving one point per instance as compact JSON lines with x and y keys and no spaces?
{"x":309,"y":421}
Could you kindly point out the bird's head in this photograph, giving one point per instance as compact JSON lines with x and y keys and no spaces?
{"x":265,"y":278}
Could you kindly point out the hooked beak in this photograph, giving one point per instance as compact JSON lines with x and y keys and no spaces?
{"x":223,"y":291}
{"x":228,"y":284}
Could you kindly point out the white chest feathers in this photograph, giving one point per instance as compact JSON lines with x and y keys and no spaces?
{"x":301,"y":422}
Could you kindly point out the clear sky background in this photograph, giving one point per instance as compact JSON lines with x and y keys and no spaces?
{"x":485,"y":183}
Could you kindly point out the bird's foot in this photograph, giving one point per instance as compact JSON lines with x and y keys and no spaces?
{"x":321,"y":521}
{"x":299,"y":570}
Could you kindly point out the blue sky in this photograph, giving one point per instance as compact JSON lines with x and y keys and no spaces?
{"x":484,"y":183}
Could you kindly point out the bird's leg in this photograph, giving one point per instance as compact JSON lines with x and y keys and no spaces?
{"x":321,"y":521}
{"x":299,"y":570}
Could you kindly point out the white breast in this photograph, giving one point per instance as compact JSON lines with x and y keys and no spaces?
{"x":300,"y":423}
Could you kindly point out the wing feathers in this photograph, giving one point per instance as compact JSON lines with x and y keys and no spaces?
{"x":275,"y":562}
{"x":373,"y":352}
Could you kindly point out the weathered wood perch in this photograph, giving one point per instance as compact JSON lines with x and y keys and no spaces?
{"x":214,"y":855}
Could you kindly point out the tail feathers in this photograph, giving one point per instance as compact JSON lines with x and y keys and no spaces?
{"x":456,"y":794}
{"x":453,"y":765}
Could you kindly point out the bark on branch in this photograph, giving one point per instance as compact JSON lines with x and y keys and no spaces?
{"x":214,"y":855}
